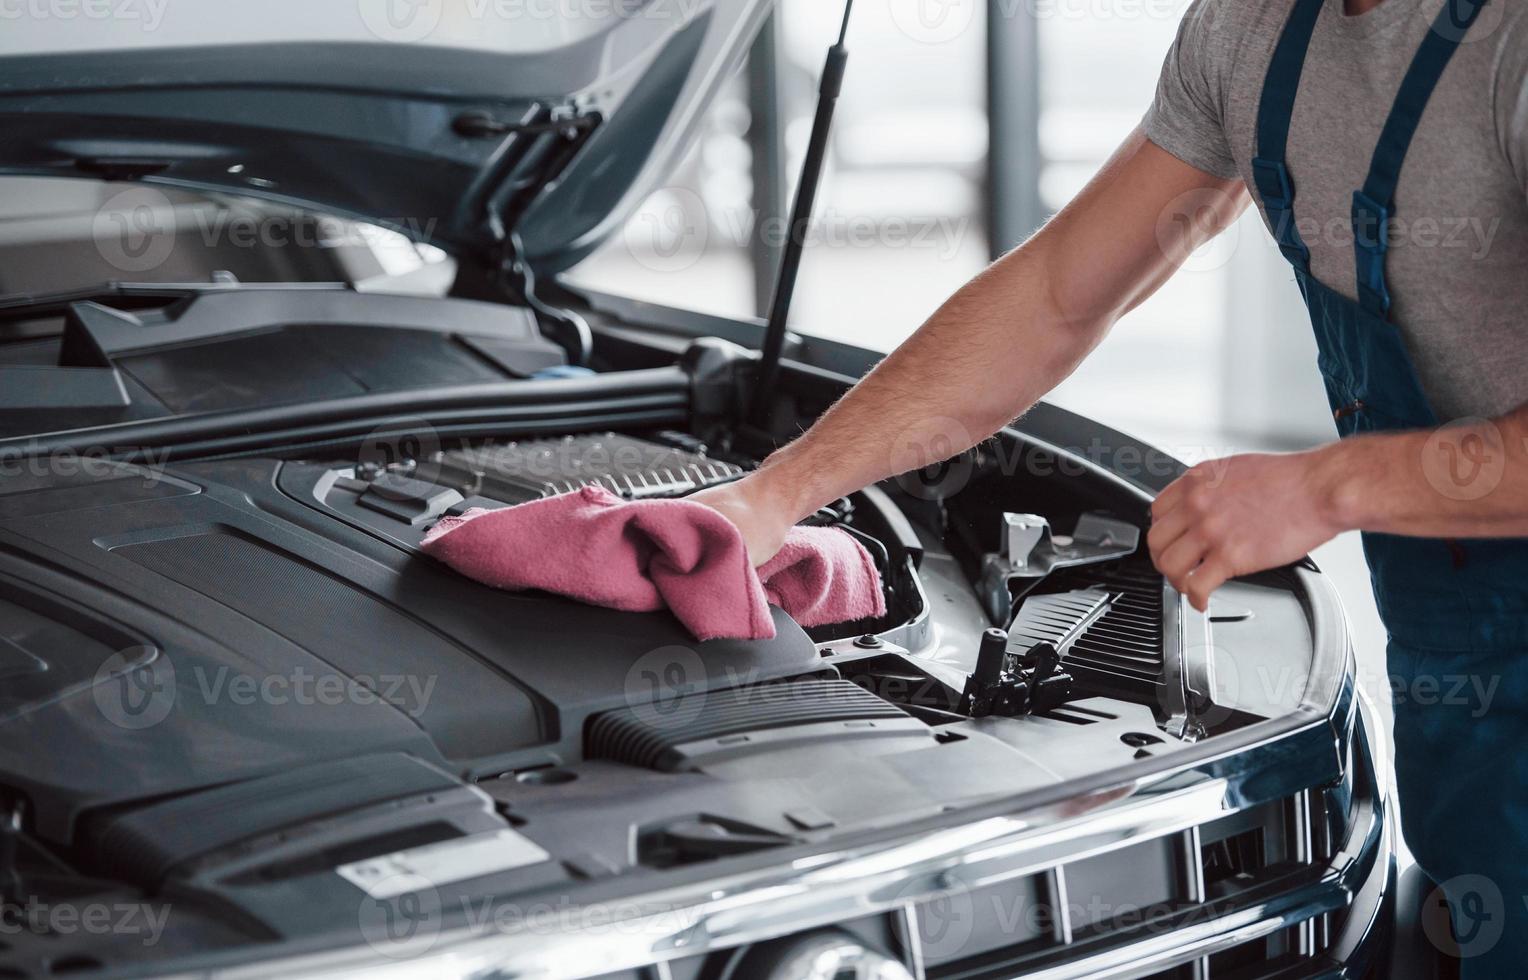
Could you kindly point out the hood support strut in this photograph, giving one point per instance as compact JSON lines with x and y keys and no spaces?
{"x":800,"y":225}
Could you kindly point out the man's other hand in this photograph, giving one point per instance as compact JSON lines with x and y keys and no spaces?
{"x":748,"y":505}
{"x":1240,"y":515}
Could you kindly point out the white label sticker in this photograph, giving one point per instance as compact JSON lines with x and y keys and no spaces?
{"x":442,"y":863}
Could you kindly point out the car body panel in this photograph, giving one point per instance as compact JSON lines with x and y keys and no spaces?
{"x":347,"y":113}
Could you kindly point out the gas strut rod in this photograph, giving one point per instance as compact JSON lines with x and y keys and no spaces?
{"x":800,"y":226}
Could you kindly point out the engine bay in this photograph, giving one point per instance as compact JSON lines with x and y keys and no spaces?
{"x":268,"y":697}
{"x":241,"y":700}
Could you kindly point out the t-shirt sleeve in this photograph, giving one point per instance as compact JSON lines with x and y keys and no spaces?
{"x":1511,"y":97}
{"x":1187,"y":115}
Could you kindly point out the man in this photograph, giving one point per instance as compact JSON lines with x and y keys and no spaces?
{"x":1421,"y":108}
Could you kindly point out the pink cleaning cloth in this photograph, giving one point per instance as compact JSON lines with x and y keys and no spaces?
{"x":646,"y":555}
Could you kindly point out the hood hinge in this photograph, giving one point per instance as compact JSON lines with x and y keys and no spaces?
{"x":565,"y":327}
{"x":532,"y":154}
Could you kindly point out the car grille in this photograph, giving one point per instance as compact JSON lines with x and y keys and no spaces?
{"x":1024,"y":926}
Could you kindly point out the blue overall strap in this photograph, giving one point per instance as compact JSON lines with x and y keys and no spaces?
{"x":1269,"y":171}
{"x":1372,"y":205}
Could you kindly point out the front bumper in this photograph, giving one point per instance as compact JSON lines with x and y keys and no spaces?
{"x":1320,"y":904}
{"x":1260,"y":854}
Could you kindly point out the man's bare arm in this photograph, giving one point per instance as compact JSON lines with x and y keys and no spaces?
{"x":1242,"y":514}
{"x":999,"y":344}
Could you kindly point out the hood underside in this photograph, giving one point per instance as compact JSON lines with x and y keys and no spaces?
{"x":454,"y":122}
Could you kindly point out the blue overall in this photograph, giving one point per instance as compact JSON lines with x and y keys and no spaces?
{"x":1456,"y":612}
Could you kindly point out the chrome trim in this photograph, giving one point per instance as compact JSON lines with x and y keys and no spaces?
{"x":1061,"y":905}
{"x":1330,"y":889}
{"x":1188,"y":664}
{"x":811,"y":894}
{"x":1192,"y":869}
{"x":1175,"y":688}
{"x":906,"y":925}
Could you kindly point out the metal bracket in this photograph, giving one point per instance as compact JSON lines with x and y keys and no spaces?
{"x":1031,"y":552}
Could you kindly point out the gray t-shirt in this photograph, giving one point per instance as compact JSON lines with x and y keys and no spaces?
{"x":1458,"y":262}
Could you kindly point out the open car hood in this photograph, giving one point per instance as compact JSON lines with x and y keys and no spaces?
{"x":456,"y":122}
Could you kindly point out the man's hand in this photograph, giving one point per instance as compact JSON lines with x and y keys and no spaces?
{"x":754,"y":511}
{"x":1240,"y":515}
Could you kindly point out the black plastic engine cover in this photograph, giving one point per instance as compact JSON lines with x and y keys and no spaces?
{"x":167,"y":631}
